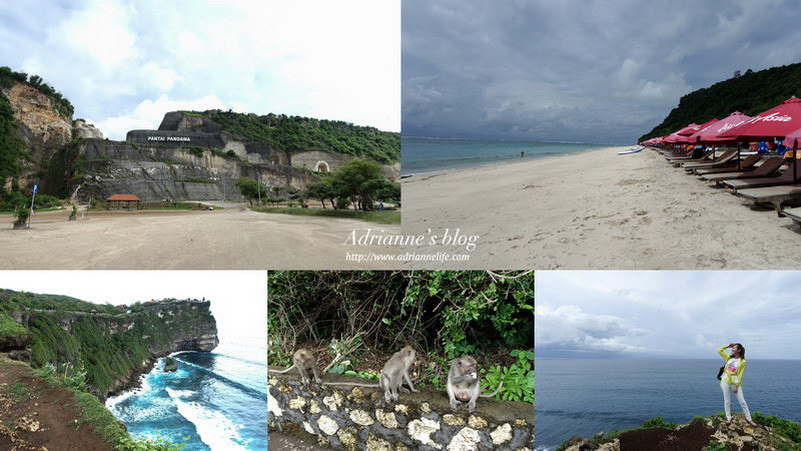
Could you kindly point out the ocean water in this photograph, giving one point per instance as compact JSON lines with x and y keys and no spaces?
{"x":584,"y":396}
{"x":420,"y":155}
{"x":214,"y":401}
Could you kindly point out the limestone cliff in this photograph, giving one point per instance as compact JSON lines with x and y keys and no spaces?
{"x":113,"y":345}
{"x":44,"y":130}
{"x":191,"y":157}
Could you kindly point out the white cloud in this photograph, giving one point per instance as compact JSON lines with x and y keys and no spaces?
{"x":100,"y":31}
{"x":331,"y":60}
{"x":160,"y":77}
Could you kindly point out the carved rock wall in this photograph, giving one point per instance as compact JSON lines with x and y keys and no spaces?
{"x":358,"y":418}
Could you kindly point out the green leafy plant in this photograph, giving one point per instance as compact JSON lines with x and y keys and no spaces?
{"x":787,"y":428}
{"x":657,"y":422}
{"x":22,"y":215}
{"x":518,"y":379}
{"x":715,"y":446}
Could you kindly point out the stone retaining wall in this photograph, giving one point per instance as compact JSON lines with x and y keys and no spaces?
{"x":359,"y":418}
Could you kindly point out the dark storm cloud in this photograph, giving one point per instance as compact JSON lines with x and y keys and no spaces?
{"x":653,"y":313}
{"x":596,"y":71}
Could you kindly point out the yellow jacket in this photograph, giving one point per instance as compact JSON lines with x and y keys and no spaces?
{"x":737,"y":378}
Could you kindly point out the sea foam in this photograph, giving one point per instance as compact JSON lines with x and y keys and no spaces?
{"x":214,"y":428}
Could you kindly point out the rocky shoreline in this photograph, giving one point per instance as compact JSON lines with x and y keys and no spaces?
{"x":700,"y":433}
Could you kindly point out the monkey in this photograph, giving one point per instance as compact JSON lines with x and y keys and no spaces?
{"x":395,"y":370}
{"x":304,"y":361}
{"x":463,"y":383}
{"x":392,"y":375}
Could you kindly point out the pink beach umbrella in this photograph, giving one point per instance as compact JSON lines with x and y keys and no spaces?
{"x":711,"y":133}
{"x":680,"y":135}
{"x":776,"y":122}
{"x":793,"y":141}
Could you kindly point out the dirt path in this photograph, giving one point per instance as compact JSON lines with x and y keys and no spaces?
{"x":233,"y":238}
{"x":36,"y":416}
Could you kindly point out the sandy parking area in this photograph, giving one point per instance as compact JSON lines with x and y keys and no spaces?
{"x":597,"y":210}
{"x":233,"y":238}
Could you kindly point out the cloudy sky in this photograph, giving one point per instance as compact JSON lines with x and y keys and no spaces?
{"x":679,"y":314}
{"x":123,"y":64}
{"x":576,"y":70}
{"x":238,"y":298}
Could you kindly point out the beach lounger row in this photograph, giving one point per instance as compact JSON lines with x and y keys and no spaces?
{"x":768,"y":180}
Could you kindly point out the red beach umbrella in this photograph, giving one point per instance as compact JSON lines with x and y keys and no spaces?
{"x":680,"y":135}
{"x":793,"y":139}
{"x":773,"y":123}
{"x":776,"y":122}
{"x":712,"y":132}
{"x":688,"y":130}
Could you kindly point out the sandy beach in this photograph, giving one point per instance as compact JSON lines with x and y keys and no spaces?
{"x":596,"y":210}
{"x":232,"y":238}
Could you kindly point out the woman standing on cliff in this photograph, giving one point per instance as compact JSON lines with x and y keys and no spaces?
{"x":731,"y":379}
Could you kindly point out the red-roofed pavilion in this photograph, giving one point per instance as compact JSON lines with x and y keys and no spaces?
{"x":126,"y":198}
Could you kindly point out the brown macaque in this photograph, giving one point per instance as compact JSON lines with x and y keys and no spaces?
{"x":305,"y":362}
{"x":463,"y":383}
{"x":391,"y":379}
{"x":395,"y":370}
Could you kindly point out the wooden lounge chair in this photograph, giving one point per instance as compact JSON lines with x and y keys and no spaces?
{"x":779,"y":196}
{"x":786,"y":178}
{"x":793,"y":213}
{"x":746,"y":165}
{"x":705,"y":158}
{"x":726,"y":158}
{"x":769,"y":168}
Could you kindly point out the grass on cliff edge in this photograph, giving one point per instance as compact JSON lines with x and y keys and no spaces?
{"x":10,"y":328}
{"x":380,"y":217}
{"x":91,"y":411}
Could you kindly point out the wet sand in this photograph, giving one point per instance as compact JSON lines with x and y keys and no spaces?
{"x":232,"y":238}
{"x":596,"y":210}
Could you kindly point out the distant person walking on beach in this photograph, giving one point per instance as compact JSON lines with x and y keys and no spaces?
{"x":731,"y":379}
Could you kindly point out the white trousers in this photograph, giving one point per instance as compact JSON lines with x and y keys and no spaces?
{"x":727,"y":390}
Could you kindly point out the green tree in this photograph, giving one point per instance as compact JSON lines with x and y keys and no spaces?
{"x":389,"y":191}
{"x":11,"y":149}
{"x":249,"y":188}
{"x":359,"y":181}
{"x":322,"y":190}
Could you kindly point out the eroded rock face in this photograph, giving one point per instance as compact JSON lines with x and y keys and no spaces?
{"x":38,"y":121}
{"x":38,"y":124}
{"x":739,"y":435}
{"x":157,"y":172}
{"x":359,"y":418}
{"x":80,"y":129}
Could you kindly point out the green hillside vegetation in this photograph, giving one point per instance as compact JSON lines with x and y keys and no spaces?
{"x":8,"y":77}
{"x":9,"y":328}
{"x":749,"y":93}
{"x":294,"y":134}
{"x":90,"y":346}
{"x":11,"y":148}
{"x":359,"y":314}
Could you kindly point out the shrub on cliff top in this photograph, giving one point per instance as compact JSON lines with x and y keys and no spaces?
{"x":9,"y":328}
{"x":8,"y":77}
